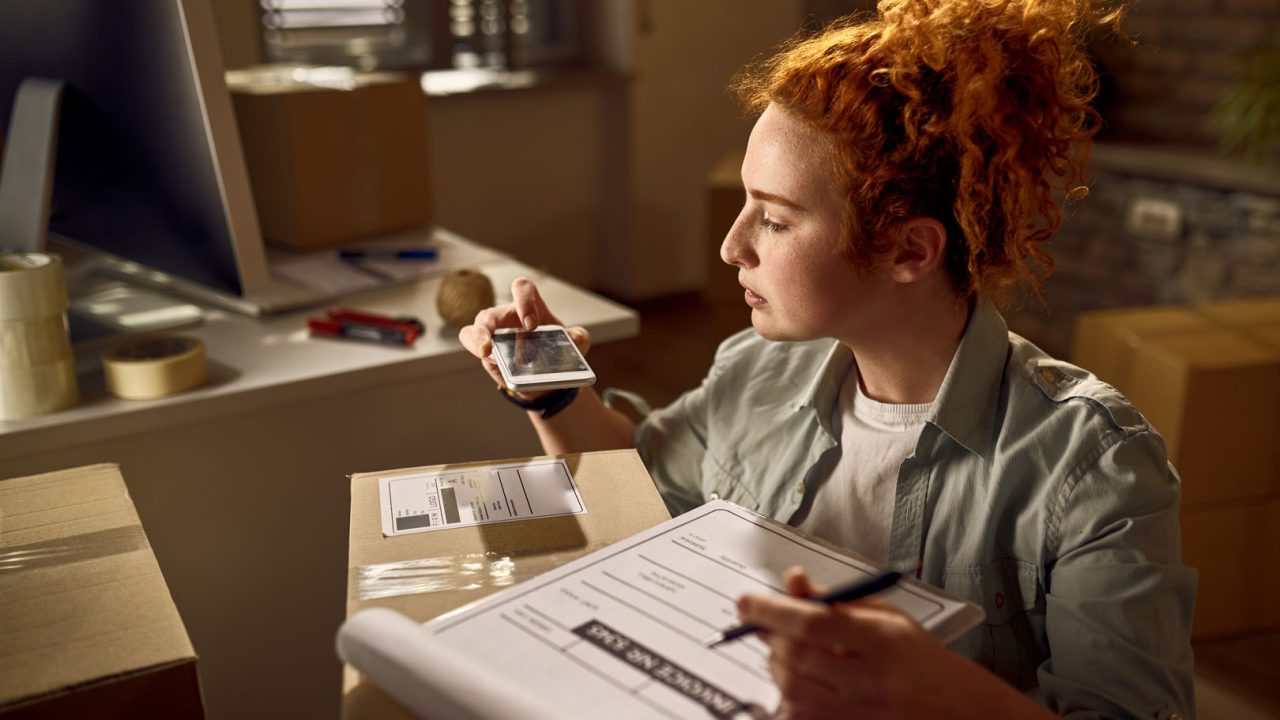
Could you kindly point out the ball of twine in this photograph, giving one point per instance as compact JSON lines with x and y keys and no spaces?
{"x":463,"y":293}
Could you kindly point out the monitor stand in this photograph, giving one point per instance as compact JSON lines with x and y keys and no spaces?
{"x":102,"y":309}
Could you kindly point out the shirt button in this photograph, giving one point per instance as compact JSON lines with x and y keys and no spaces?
{"x":714,"y":496}
{"x":1048,"y":375}
{"x":800,"y":488}
{"x":999,"y":599}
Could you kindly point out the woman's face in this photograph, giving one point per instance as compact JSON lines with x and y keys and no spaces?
{"x":786,"y":241}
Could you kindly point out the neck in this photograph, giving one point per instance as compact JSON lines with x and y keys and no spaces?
{"x":908,"y":360}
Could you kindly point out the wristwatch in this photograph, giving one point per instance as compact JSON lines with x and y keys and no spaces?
{"x":547,"y":405}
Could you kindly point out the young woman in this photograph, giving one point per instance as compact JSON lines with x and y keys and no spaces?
{"x":903,"y":172}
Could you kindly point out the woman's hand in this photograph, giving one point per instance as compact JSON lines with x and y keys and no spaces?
{"x":867,"y":659}
{"x":526,"y":310}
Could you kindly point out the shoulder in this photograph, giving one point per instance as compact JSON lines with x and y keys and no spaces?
{"x":1074,"y":423}
{"x":1101,"y":460}
{"x":1067,"y":392}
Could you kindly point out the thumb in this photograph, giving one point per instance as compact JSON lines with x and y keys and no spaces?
{"x":580,"y":337}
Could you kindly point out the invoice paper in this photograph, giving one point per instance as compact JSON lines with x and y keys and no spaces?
{"x":621,"y":632}
{"x":477,"y":495}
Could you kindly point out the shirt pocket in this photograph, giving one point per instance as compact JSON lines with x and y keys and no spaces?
{"x":1010,"y":641}
{"x":723,"y":481}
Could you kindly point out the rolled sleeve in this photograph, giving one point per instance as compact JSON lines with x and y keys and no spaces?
{"x":1119,"y":601}
{"x":672,"y":442}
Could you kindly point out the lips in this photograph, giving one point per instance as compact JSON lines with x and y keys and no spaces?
{"x":752,"y":298}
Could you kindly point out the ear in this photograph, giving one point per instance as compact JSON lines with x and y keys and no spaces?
{"x":920,"y":250}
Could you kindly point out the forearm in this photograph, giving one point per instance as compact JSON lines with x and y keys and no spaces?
{"x":584,"y":426}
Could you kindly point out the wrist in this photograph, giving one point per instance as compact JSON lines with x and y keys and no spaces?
{"x":546,"y":403}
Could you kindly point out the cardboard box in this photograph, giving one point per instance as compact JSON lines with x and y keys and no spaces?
{"x":1208,"y":379}
{"x":87,"y":626}
{"x":620,"y":500}
{"x":332,"y":164}
{"x":1234,"y":546}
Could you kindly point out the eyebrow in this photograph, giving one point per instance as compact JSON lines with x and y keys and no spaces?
{"x":777,"y":199}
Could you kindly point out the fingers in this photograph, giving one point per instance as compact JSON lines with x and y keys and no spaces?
{"x":864,"y":628}
{"x":793,"y":682}
{"x":527,"y":310}
{"x":531,"y":309}
{"x":790,"y":617}
{"x":797,"y":583}
{"x":477,"y":337}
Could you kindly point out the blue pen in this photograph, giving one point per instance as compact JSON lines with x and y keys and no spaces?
{"x":424,"y":253}
{"x":848,"y":593}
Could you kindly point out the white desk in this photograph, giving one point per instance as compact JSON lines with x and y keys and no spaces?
{"x":242,"y":488}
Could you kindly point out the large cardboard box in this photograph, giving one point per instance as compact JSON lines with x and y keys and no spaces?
{"x":334,"y":162}
{"x":460,"y":565}
{"x":87,"y":626}
{"x":1235,"y":547}
{"x":1208,"y":379}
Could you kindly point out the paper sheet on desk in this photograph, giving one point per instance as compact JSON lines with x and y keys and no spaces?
{"x":422,"y":502}
{"x":324,"y":271}
{"x":620,"y":632}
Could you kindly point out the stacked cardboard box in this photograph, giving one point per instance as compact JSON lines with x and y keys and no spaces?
{"x":1208,"y":379}
{"x":87,"y":627}
{"x":333,"y":155}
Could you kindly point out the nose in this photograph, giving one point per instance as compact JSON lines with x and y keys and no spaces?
{"x":736,"y":248}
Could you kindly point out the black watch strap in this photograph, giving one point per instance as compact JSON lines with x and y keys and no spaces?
{"x":547,"y":405}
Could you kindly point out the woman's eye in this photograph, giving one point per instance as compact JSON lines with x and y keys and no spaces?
{"x":772,"y":226}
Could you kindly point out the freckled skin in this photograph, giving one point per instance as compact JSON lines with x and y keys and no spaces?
{"x":785,"y":242}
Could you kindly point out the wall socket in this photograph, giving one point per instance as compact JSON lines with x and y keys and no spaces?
{"x":1154,"y":218}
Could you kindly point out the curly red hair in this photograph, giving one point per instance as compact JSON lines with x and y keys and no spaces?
{"x":973,"y":112}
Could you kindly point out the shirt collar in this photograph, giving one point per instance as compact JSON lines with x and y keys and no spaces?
{"x":823,"y":390}
{"x":966,"y":405}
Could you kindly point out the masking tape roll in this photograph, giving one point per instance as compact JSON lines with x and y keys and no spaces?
{"x":155,"y":367}
{"x":37,"y":369}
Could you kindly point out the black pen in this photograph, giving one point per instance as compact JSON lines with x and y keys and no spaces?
{"x":847,"y":593}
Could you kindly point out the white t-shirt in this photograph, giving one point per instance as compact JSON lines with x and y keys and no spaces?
{"x":852,"y":505}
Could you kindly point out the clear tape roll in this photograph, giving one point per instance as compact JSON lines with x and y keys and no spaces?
{"x":155,"y":367}
{"x":37,"y":369}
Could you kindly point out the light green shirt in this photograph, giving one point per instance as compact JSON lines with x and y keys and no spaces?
{"x":1035,"y":490}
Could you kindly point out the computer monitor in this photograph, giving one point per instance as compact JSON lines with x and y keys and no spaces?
{"x":149,"y":166}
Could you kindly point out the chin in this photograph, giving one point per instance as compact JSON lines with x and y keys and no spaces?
{"x":770,"y":329}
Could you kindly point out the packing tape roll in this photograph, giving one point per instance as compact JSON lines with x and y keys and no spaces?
{"x":37,"y":369}
{"x":155,"y":367}
{"x":31,"y":286}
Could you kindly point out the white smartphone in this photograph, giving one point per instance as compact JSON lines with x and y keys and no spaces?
{"x":544,"y":358}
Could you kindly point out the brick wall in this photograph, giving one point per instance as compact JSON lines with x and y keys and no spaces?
{"x":1160,"y":226}
{"x":1162,"y":87}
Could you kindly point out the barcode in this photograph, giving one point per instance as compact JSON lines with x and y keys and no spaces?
{"x":450,"y":501}
{"x":410,"y":522}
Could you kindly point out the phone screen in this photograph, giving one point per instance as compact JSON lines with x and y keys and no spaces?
{"x":538,"y":352}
